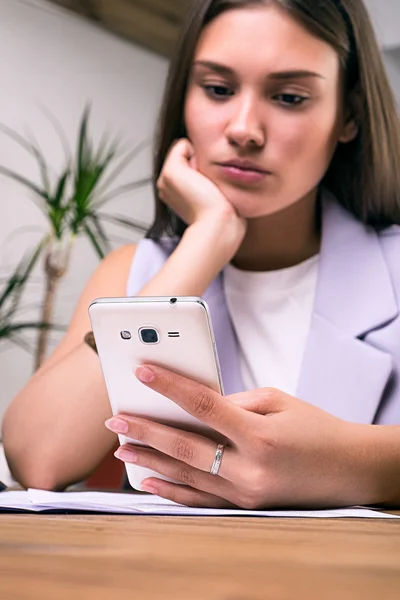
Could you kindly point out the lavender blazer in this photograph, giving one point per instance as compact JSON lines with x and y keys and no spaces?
{"x":351,"y":362}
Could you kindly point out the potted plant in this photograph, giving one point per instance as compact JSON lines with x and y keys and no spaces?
{"x":71,"y":204}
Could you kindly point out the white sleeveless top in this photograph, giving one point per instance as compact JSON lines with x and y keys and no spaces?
{"x":271,"y":313}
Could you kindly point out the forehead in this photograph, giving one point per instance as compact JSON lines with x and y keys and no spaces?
{"x":265,"y":38}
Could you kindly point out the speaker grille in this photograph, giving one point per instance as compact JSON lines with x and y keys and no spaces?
{"x":174,"y":334}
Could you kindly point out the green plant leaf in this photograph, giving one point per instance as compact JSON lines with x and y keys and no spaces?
{"x":11,"y":333}
{"x":59,"y":194}
{"x":125,"y":221}
{"x":43,"y":166}
{"x":105,"y":148}
{"x":17,"y":281}
{"x":123,"y":189}
{"x":84,"y":196}
{"x":59,"y":131}
{"x":82,"y":142}
{"x":33,"y":150}
{"x":59,"y":207}
{"x":125,"y":161}
{"x":95,"y":242}
{"x":7,"y":331}
{"x":29,"y":184}
{"x":101,"y":233}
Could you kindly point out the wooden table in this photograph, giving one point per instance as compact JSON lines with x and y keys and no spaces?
{"x":51,"y":557}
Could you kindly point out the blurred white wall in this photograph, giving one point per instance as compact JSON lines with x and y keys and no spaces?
{"x":51,"y":57}
{"x":386,"y":18}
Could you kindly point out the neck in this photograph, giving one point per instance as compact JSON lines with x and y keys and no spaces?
{"x":283,"y":239}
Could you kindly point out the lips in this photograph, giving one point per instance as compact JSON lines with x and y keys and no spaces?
{"x":244,"y":165}
{"x":243,"y":173}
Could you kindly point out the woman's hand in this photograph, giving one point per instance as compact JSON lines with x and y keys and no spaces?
{"x":214,"y":233}
{"x":282,"y":451}
{"x":190,"y":194}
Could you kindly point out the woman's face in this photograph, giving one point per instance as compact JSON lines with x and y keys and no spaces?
{"x":263,"y":109}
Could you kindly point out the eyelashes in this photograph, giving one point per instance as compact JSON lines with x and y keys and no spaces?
{"x":291,"y":99}
{"x":220,"y":93}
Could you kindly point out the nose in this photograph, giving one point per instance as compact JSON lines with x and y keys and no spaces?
{"x":245,"y":129}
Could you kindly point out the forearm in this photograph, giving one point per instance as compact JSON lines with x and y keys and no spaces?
{"x":205,"y":248}
{"x":53,"y":432}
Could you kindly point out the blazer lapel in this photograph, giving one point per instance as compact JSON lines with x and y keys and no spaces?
{"x":340,"y":372}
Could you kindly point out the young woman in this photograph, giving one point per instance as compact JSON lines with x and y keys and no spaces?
{"x":278,"y":199}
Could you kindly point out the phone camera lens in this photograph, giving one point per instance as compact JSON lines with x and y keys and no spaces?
{"x":173,"y":300}
{"x":149,"y":336}
{"x":126,"y":335}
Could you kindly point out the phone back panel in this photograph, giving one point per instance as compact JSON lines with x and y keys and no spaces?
{"x":186,"y":346}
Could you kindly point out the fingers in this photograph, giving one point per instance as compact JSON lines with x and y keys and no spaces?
{"x":173,"y":179}
{"x":193,"y":162}
{"x":181,"y":150}
{"x":198,"y":400}
{"x":184,"y":495}
{"x":189,"y":448}
{"x":174,"y":469}
{"x":180,"y":154}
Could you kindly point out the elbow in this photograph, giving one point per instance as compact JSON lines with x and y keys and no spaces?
{"x":29,"y":465}
{"x":31,"y":469}
{"x":33,"y":474}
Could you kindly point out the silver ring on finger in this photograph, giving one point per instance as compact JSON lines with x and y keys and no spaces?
{"x":217,"y":460}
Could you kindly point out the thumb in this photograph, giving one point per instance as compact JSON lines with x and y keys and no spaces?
{"x":262,"y":401}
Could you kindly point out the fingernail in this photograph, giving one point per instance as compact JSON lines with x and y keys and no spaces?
{"x":126,"y":455}
{"x":147,"y":487}
{"x":145,"y":375}
{"x":117,"y":425}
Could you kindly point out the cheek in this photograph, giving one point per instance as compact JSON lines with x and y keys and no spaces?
{"x":202,"y":124}
{"x":304,"y":139}
{"x":309,"y":139}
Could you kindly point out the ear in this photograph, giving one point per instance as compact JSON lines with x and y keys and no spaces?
{"x":351,"y":125}
{"x":349,"y":132}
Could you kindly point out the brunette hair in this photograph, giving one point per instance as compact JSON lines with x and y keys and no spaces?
{"x":364,"y":174}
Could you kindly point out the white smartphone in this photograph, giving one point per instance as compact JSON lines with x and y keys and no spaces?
{"x":172,"y":332}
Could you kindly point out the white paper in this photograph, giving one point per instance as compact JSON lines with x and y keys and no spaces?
{"x":119,"y":503}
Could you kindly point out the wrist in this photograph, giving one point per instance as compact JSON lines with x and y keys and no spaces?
{"x":224,"y":230}
{"x":376,"y":449}
{"x":204,"y":250}
{"x":383,"y":443}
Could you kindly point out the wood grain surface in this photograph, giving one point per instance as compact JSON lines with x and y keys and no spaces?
{"x":50,"y":557}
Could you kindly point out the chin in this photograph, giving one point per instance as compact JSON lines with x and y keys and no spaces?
{"x":250,"y":206}
{"x":250,"y":211}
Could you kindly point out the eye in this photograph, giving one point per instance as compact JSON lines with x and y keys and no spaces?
{"x":219,"y":92}
{"x":290,"y":99}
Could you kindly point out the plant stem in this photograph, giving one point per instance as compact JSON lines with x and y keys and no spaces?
{"x":52,"y":281}
{"x":55,"y":267}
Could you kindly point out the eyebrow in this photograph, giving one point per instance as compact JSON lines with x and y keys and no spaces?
{"x":278,"y":75}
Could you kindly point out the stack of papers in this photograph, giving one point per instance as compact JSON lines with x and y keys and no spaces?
{"x":138,"y":504}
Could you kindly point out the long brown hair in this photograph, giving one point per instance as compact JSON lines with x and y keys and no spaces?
{"x":364,"y":174}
